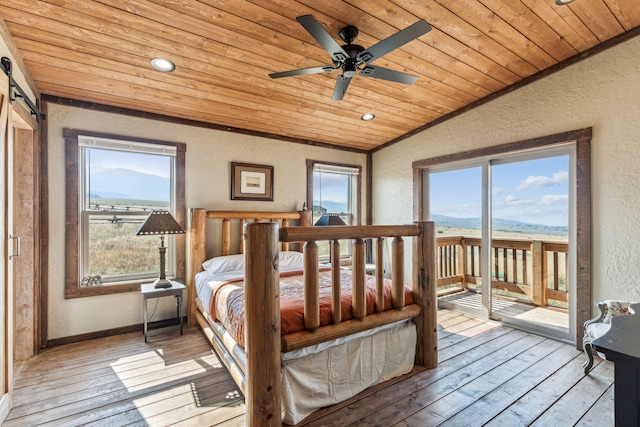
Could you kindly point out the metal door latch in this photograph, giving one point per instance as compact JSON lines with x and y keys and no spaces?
{"x":17,"y":246}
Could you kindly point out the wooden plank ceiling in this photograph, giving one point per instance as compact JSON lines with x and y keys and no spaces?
{"x":99,"y":51}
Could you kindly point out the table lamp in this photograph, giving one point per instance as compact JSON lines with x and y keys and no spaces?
{"x":330,"y":219}
{"x":160,"y":222}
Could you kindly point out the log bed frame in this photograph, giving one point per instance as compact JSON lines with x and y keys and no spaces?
{"x":256,"y":369}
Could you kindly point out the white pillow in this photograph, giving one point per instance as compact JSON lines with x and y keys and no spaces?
{"x":220,"y":264}
{"x":291,"y":259}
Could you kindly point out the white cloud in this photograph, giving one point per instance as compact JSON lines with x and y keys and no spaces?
{"x":554,"y":199}
{"x":560,"y":177}
{"x":512,"y":207}
{"x":497,"y":190}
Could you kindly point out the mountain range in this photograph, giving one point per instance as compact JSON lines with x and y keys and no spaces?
{"x":120,"y":183}
{"x":498,"y":225}
{"x":110,"y":183}
{"x":331,"y":207}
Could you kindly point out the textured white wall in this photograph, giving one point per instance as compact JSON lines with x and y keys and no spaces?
{"x":602,"y":92}
{"x":208,"y":158}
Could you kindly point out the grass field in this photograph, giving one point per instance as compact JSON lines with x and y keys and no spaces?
{"x":116,"y":250}
{"x":451,"y":231}
{"x":114,"y":247}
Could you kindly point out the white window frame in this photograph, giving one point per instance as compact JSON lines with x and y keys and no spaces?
{"x":86,"y":143}
{"x":352,"y":216}
{"x":354,"y":177}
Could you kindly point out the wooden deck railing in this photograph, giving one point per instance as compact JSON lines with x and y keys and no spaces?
{"x":533,"y":270}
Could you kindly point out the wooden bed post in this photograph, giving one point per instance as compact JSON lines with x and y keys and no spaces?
{"x":397,"y":273}
{"x":305,"y":218}
{"x":262,"y":326}
{"x":424,"y":294}
{"x":197,"y":254}
{"x":311,"y":288}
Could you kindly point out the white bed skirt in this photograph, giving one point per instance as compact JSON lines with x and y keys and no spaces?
{"x":324,"y":375}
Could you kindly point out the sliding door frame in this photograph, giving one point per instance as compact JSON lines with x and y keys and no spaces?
{"x":581,"y":139}
{"x":482,"y":166}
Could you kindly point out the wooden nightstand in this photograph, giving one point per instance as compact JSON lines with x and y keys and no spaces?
{"x":149,"y":291}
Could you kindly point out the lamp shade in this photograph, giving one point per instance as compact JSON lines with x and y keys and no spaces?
{"x":329,"y":219}
{"x":159,"y":222}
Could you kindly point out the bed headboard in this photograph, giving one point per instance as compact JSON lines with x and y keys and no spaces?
{"x":227,"y":230}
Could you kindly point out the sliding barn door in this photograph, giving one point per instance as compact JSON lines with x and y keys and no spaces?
{"x":25,"y":267}
{"x":6,"y":291}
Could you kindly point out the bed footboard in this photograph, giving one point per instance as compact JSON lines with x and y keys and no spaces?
{"x":423,"y":311}
{"x":263,"y":311}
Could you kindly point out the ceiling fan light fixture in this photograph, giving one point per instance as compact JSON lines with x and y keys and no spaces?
{"x":162,"y":64}
{"x":349,"y":70}
{"x":563,"y":2}
{"x":368,"y":116}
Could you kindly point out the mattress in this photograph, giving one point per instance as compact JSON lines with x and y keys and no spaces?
{"x":223,"y":296}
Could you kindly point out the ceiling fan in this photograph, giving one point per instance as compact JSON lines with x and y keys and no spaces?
{"x":353,"y":59}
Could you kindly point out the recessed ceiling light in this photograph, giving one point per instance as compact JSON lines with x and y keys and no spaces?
{"x":162,"y":64}
{"x":563,"y":2}
{"x":368,"y":116}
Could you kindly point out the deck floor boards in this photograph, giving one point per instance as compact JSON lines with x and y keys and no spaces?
{"x":503,"y":308}
{"x":488,"y":374}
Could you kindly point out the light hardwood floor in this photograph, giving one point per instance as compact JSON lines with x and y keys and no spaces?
{"x":488,"y":374}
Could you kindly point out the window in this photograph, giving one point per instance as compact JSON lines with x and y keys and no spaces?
{"x":112,"y":185}
{"x":334,"y":191}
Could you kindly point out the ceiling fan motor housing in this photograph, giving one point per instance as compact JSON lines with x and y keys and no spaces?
{"x":352,"y":50}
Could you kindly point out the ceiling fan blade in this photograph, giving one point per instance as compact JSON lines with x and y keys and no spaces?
{"x":323,"y":38}
{"x":302,"y":71}
{"x":342,"y":83}
{"x":387,"y":74}
{"x":393,"y":42}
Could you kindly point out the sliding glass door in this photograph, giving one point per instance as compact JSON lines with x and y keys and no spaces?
{"x":456,"y":205}
{"x":531,"y":211}
{"x":505,"y":226}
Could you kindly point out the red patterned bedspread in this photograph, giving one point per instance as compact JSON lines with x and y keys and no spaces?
{"x":228,"y":301}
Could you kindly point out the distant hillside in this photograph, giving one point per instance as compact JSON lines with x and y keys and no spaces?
{"x":333,"y":207}
{"x":128,"y":184}
{"x":498,"y":225}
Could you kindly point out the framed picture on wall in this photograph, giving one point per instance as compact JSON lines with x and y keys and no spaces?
{"x":251,"y":182}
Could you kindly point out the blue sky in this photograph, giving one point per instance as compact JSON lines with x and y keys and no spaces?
{"x":151,"y":164}
{"x":334,"y":187}
{"x":534,"y":191}
{"x":128,"y":175}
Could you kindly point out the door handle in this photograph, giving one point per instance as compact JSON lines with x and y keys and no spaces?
{"x":17,"y":246}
